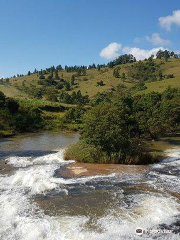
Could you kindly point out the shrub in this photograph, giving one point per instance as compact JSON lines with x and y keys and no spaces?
{"x":12,"y":105}
{"x":139,"y":87}
{"x":100,"y":83}
{"x":2,"y":99}
{"x":4,"y":134}
{"x":41,"y":77}
{"x":83,"y":152}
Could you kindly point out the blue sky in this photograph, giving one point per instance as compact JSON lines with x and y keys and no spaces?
{"x":41,"y":33}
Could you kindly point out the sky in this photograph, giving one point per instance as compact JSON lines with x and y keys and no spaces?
{"x":42,"y":33}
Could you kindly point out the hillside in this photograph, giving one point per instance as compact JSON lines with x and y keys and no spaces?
{"x":59,"y":97}
{"x":87,"y":84}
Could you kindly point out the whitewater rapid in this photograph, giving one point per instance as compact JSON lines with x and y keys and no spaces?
{"x":22,"y":219}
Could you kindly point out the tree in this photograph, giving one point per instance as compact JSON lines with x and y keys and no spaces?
{"x":67,"y":86}
{"x":51,"y":94}
{"x":65,"y":98}
{"x":116,"y":73}
{"x":126,"y":58}
{"x":111,"y":129}
{"x":41,"y":77}
{"x":51,"y":72}
{"x":160,"y":75}
{"x":12,"y":105}
{"x":164,"y":54}
{"x":83,"y":72}
{"x":72,"y":79}
{"x":59,"y":68}
{"x":2,"y":99}
{"x":123,"y":76}
{"x":56,"y":75}
{"x":110,"y":64}
{"x":100,"y":83}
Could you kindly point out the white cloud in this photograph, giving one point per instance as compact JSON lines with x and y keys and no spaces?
{"x":167,"y":21}
{"x":111,"y":51}
{"x":141,"y":54}
{"x":155,"y":39}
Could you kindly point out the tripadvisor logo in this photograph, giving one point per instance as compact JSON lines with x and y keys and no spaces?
{"x":139,"y":231}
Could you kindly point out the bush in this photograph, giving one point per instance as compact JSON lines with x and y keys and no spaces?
{"x":73,"y":115}
{"x":112,"y":128}
{"x":4,"y":134}
{"x":27,"y":120}
{"x":12,"y":105}
{"x":41,"y":77}
{"x":100,"y":83}
{"x":86,"y":153}
{"x":139,"y":87}
{"x":2,"y":99}
{"x":169,"y":76}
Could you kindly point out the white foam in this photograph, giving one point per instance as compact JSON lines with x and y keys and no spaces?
{"x":54,"y":158}
{"x":21,"y":219}
{"x":19,"y":161}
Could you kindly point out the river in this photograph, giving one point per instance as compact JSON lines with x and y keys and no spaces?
{"x":44,"y":197}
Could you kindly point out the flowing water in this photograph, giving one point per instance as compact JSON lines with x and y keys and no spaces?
{"x":38,"y":201}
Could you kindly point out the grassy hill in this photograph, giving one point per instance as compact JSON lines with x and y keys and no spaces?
{"x":140,"y":78}
{"x":88,"y":84}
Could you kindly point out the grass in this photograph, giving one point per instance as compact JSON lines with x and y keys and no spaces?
{"x":89,"y":86}
{"x":172,"y":66}
{"x":4,"y":134}
{"x":83,"y":152}
{"x":42,"y":104}
{"x":53,"y":113}
{"x":88,"y":153}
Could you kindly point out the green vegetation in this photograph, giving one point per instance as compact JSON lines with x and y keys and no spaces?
{"x":23,"y":115}
{"x":157,"y":75}
{"x":4,"y":134}
{"x":87,"y":153}
{"x":116,"y":107}
{"x":14,"y":118}
{"x":119,"y":126}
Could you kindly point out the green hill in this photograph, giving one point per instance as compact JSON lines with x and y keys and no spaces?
{"x":88,"y":84}
{"x":59,"y":97}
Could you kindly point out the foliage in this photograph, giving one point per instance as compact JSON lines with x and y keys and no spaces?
{"x":118,"y":126}
{"x":73,"y":115}
{"x":100,"y":83}
{"x":74,"y":98}
{"x":112,"y":129}
{"x":12,"y":105}
{"x":17,"y":118}
{"x":83,"y":152}
{"x":4,"y":134}
{"x":99,"y":98}
{"x":166,"y":54}
{"x":143,"y":71}
{"x":116,"y":73}
{"x":51,"y":94}
{"x":41,"y":77}
{"x":2,"y":99}
{"x":139,"y":87}
{"x":27,"y":120}
{"x":123,"y":59}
